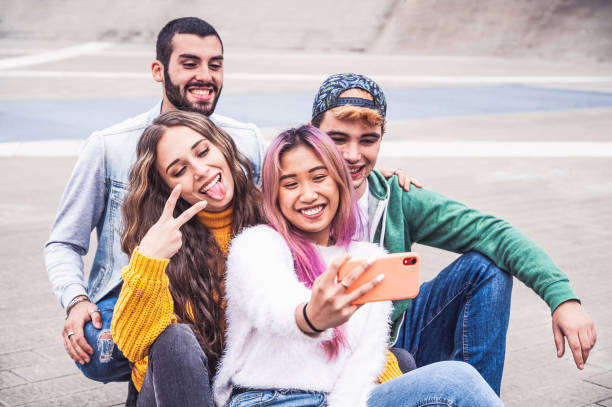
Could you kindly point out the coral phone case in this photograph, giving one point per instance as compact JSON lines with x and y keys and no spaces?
{"x":401,"y":280}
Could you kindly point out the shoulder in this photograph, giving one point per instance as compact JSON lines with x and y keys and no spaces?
{"x":365,"y":249}
{"x":256,"y":252}
{"x":133,"y":125}
{"x":257,"y":239}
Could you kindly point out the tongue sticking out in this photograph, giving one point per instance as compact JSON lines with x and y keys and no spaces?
{"x":217,"y":191}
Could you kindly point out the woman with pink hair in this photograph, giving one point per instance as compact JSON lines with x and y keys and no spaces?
{"x":293,"y":336}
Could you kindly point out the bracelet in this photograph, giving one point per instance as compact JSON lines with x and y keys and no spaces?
{"x":308,"y":321}
{"x":75,"y":301}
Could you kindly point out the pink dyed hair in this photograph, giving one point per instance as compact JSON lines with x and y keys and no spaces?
{"x":345,"y":224}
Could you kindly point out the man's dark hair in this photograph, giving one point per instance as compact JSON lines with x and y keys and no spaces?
{"x":184,"y":25}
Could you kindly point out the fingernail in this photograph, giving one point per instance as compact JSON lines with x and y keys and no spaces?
{"x":581,"y":366}
{"x":371,"y":261}
{"x":380,"y":278}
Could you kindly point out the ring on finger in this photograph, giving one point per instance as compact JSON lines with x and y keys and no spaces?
{"x":70,"y":333}
{"x":93,"y":311}
{"x":344,"y":284}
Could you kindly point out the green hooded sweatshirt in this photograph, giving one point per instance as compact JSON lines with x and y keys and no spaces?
{"x":425,"y":217}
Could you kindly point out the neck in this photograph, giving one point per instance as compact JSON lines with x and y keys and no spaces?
{"x":166,"y":105}
{"x":361,"y":189}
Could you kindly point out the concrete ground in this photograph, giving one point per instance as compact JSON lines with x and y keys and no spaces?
{"x":561,"y":202}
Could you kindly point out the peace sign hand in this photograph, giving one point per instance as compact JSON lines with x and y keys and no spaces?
{"x":164,"y":239}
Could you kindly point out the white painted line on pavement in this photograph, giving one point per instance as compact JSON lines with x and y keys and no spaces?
{"x":51,"y":56}
{"x":541,"y":149}
{"x":45,"y":148}
{"x":75,"y":75}
{"x":389,"y":149}
{"x":272,"y":77}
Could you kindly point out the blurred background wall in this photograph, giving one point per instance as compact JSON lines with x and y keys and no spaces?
{"x":576,"y":29}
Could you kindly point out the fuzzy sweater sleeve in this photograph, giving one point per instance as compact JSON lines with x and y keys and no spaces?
{"x":143,"y":311}
{"x":261,"y":280}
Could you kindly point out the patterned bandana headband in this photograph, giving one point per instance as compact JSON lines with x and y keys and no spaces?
{"x":328,"y":95}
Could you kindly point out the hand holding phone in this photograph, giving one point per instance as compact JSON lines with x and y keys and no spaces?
{"x":401,"y":271}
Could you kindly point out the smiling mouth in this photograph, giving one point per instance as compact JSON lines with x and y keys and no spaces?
{"x":201,"y":94}
{"x":313,"y":211}
{"x":211,"y":184}
{"x":356,"y":171}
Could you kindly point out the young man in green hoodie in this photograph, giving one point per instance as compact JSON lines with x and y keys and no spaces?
{"x":463,"y":313}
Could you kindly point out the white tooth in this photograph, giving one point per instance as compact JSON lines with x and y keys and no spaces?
{"x":313,"y":211}
{"x":201,"y":92}
{"x":211,"y":184}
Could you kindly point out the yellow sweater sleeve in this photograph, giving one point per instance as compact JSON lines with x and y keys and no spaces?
{"x":391,"y":370}
{"x":144,"y":310}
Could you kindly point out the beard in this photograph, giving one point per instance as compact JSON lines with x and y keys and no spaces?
{"x":178,"y":96}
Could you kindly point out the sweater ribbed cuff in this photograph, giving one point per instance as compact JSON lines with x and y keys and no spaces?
{"x":144,"y":267}
{"x":557,"y":293}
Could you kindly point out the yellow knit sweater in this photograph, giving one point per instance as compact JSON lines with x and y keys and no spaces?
{"x":145,"y":308}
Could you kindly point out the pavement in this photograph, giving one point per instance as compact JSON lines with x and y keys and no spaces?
{"x":530,"y":142}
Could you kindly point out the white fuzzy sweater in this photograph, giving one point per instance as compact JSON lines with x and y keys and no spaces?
{"x":265,"y":349}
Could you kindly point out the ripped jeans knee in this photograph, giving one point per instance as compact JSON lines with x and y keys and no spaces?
{"x":105,"y":346}
{"x":107,"y":364}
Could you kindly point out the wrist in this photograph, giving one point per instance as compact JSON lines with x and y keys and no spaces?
{"x":309,"y":323}
{"x":75,"y":301}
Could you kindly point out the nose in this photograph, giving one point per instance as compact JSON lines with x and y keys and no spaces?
{"x":309,"y":193}
{"x":203,"y":74}
{"x":351,"y":153}
{"x":199,"y":170}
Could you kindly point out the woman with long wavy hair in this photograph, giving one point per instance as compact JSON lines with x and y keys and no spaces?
{"x":191,"y":191}
{"x":293,"y":336}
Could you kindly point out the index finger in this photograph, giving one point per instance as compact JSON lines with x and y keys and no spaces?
{"x":574,"y":344}
{"x":332,"y":271}
{"x":357,"y":271}
{"x":190,"y":213}
{"x":168,"y":211}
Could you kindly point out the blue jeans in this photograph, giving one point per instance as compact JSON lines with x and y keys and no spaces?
{"x":282,"y":398}
{"x":462,"y":314}
{"x":447,"y":383}
{"x":107,"y":364}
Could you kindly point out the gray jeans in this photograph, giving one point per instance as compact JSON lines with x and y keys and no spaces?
{"x":177,"y":371}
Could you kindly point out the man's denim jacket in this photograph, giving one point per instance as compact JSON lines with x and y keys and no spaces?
{"x":93,"y":198}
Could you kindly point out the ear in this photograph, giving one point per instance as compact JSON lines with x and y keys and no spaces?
{"x":157,"y":70}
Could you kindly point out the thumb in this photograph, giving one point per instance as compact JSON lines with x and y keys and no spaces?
{"x":96,"y":320}
{"x":559,"y":340}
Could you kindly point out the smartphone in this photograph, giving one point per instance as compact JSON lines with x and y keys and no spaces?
{"x":401,"y":280}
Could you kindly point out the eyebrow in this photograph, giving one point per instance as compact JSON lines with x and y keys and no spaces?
{"x":171,"y":164}
{"x":192,"y":56}
{"x":336,"y":133}
{"x":177,"y":160}
{"x":196,"y":143}
{"x":313,"y":169}
{"x":339,"y":133}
